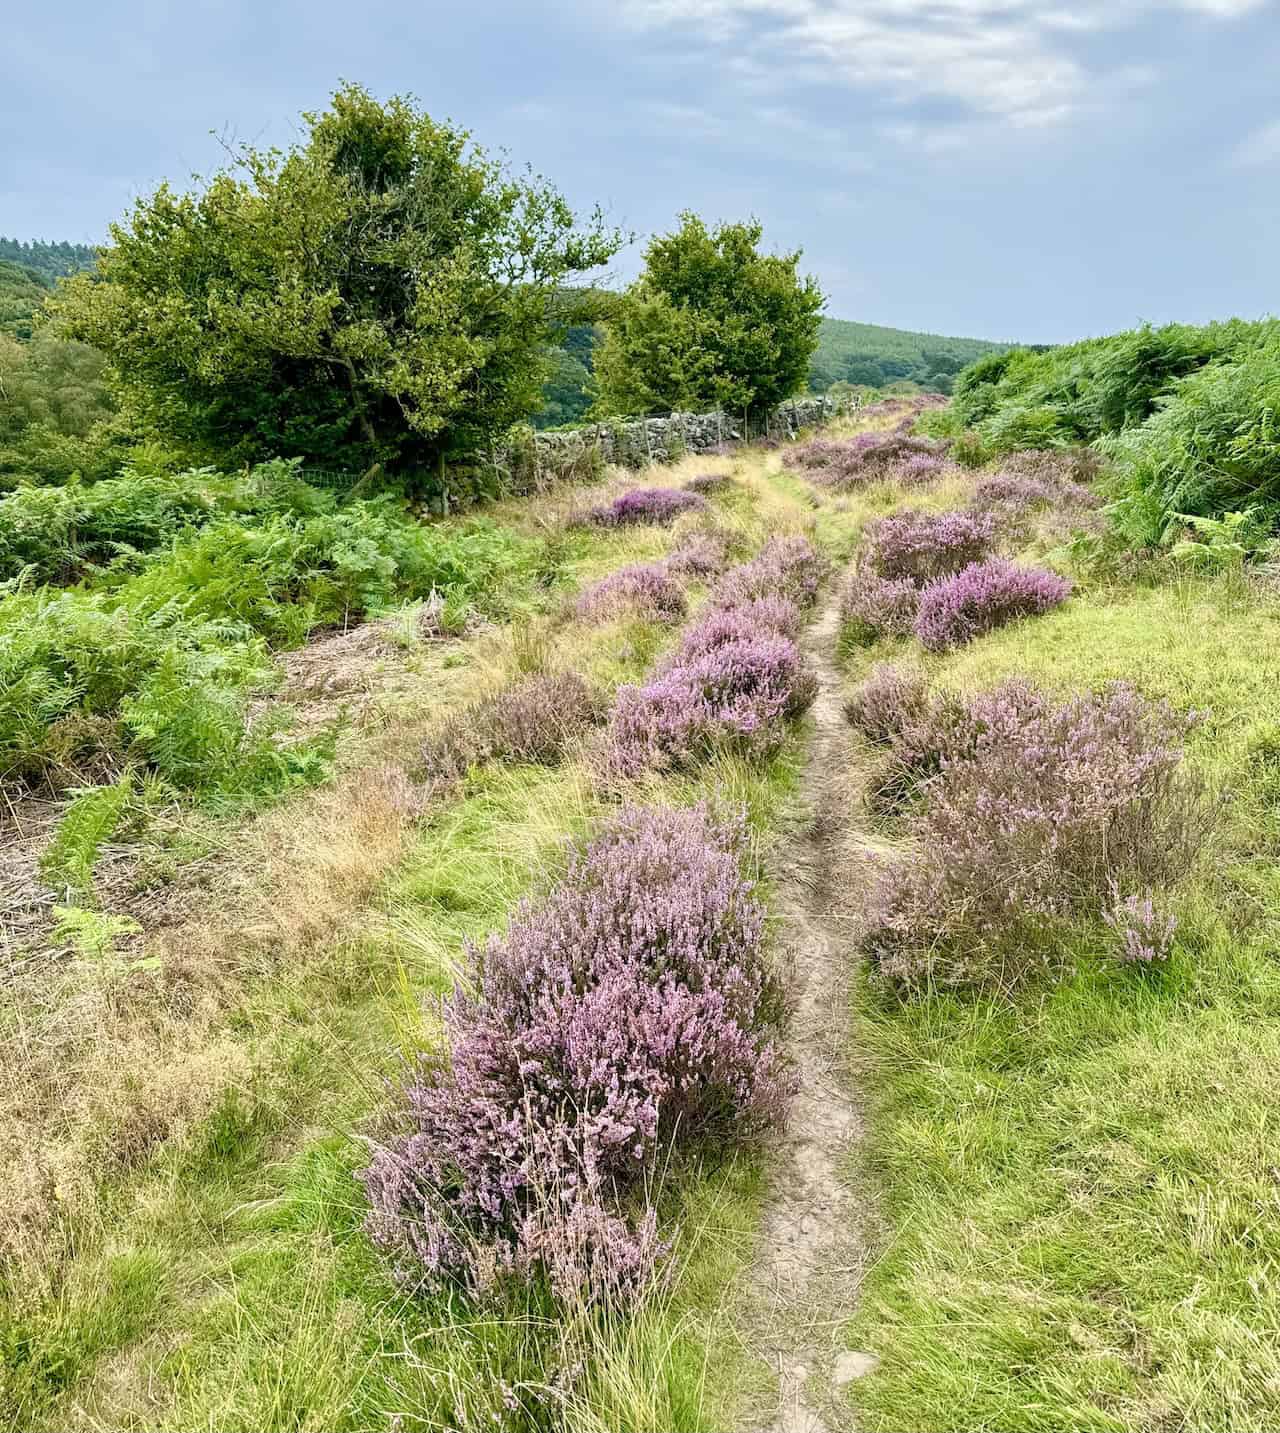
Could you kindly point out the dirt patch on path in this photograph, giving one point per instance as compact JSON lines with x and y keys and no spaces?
{"x":813,"y":1244}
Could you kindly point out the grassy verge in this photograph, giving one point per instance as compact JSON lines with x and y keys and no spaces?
{"x":1081,"y":1182}
{"x":214,"y":1275}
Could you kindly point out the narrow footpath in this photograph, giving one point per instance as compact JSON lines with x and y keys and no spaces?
{"x":813,"y":1243}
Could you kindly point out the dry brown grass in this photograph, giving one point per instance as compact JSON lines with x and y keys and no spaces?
{"x":102,"y":1063}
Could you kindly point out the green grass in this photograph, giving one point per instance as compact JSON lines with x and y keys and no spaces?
{"x":224,"y":1282}
{"x":1081,"y":1183}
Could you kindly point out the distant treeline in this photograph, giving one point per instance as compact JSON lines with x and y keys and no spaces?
{"x":855,"y":353}
{"x":50,"y":260}
{"x":865,"y":353}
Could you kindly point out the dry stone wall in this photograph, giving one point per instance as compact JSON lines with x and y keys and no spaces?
{"x":635,"y":443}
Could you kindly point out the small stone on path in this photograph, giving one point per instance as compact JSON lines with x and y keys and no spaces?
{"x":851,"y":1365}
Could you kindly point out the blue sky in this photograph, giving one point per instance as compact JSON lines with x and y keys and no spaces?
{"x":996,"y":168}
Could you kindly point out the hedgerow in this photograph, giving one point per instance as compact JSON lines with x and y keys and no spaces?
{"x":630,"y":1015}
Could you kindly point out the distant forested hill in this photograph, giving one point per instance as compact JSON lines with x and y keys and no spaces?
{"x":50,"y":261}
{"x":22,"y":291}
{"x":866,"y":353}
{"x":847,"y":352}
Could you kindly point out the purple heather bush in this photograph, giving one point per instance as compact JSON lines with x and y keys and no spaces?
{"x":1146,"y":932}
{"x":704,"y":554}
{"x":631,"y":1013}
{"x":533,"y":720}
{"x":788,"y":567}
{"x":644,"y":589}
{"x":640,"y":505}
{"x":925,"y":546}
{"x":872,"y":606}
{"x":736,"y":677}
{"x":1036,"y":814}
{"x":982,"y":597}
{"x":848,"y":464}
{"x":744,"y":621}
{"x":737,"y":694}
{"x":705,"y":483}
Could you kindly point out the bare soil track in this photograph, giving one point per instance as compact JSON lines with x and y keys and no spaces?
{"x":813,"y":1246}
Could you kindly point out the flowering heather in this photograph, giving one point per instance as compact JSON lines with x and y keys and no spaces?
{"x":705,"y":483}
{"x":867,"y":458}
{"x":736,"y":676}
{"x":1036,"y":813}
{"x":735,"y":694}
{"x":631,"y":1012}
{"x":645,"y":589}
{"x":704,"y":554}
{"x":1146,"y":932}
{"x":982,"y":597}
{"x":784,"y":567}
{"x":872,"y":606}
{"x":656,"y":505}
{"x":924,"y":546}
{"x":771,"y":616}
{"x":533,"y":720}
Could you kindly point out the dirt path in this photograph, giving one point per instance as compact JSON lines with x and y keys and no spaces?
{"x":813,"y":1246}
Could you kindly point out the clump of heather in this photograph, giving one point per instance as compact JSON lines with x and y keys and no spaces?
{"x":925,"y":546}
{"x":736,"y":676}
{"x":535,"y":720}
{"x":852,"y":463}
{"x":772,"y":616}
{"x":872,"y":606}
{"x":630,"y":1013}
{"x":705,"y":483}
{"x":920,"y":469}
{"x":1035,"y":814}
{"x":647,"y":505}
{"x":1012,"y":494}
{"x":919,"y":729}
{"x":982,"y":597}
{"x":736,"y":694}
{"x":704,"y":554}
{"x":788,"y":567}
{"x":645,"y":589}
{"x":1146,"y":932}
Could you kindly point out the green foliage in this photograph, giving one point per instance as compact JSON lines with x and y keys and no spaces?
{"x":379,"y":294}
{"x":1212,"y":447}
{"x":1188,"y":416}
{"x":50,"y":261}
{"x":91,"y":818}
{"x":711,"y":322}
{"x":157,"y":659}
{"x":865,"y":353}
{"x":55,"y":412}
{"x":566,"y":394}
{"x":22,"y":291}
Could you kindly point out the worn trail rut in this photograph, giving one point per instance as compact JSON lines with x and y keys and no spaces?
{"x":813,"y":1243}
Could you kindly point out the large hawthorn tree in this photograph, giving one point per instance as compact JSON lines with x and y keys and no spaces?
{"x":710,"y":322}
{"x":381,"y":293}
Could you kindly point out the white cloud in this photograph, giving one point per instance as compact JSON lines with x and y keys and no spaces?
{"x":1259,"y":149}
{"x":1008,"y":60}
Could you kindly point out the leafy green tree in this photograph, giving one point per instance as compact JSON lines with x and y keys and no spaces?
{"x":381,"y":294}
{"x":711,"y":321}
{"x":57,"y":417}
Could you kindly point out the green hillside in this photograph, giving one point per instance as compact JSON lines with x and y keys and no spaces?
{"x":50,"y":260}
{"x":22,"y":291}
{"x":867,"y":353}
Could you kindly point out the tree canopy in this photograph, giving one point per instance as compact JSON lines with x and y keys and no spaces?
{"x":381,"y":293}
{"x":710,"y":322}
